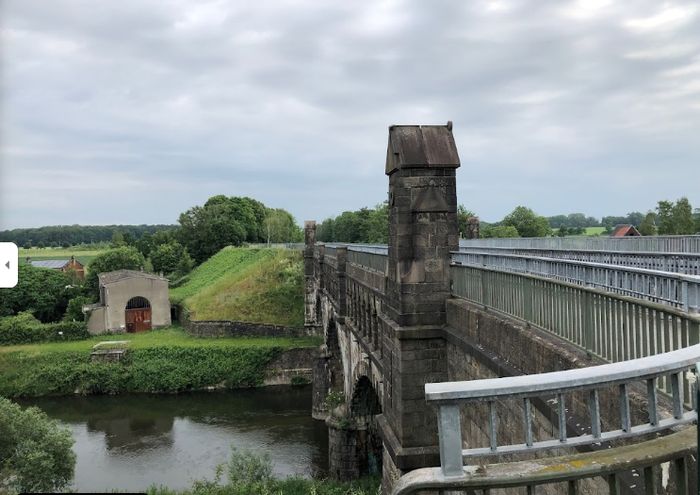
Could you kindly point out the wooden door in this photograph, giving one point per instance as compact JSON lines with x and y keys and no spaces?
{"x":138,"y":320}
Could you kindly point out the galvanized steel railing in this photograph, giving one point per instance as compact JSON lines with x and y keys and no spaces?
{"x":686,"y":263}
{"x":611,"y":326}
{"x":669,"y":244}
{"x":677,"y":290}
{"x":572,"y":471}
{"x":368,"y":259}
{"x":449,"y":397}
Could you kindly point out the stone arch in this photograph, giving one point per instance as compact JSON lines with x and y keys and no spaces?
{"x":364,"y":406}
{"x":364,"y":402}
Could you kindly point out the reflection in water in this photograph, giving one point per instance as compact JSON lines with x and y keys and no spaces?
{"x":130,"y":442}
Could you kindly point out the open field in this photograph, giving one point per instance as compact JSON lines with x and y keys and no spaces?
{"x":82,"y":254}
{"x":595,"y":230}
{"x":246,"y":284}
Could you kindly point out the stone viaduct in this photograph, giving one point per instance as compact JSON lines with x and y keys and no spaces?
{"x":399,"y":317}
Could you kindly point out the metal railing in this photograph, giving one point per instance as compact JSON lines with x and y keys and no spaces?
{"x":368,"y":259}
{"x":686,"y":263}
{"x":571,"y":471}
{"x":669,"y":244}
{"x":278,"y":245}
{"x":611,"y":326}
{"x":674,"y":289}
{"x":450,"y":397}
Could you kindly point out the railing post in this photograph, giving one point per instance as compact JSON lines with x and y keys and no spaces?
{"x":684,"y":295}
{"x":450,"y":434}
{"x":527,"y":299}
{"x":588,"y":330}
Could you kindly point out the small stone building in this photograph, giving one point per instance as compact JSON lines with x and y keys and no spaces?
{"x":130,"y":301}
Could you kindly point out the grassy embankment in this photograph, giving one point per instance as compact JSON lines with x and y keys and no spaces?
{"x":246,"y":284}
{"x":166,"y":360}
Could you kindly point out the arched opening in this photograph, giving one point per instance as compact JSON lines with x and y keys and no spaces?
{"x":364,"y":407}
{"x":138,"y":315}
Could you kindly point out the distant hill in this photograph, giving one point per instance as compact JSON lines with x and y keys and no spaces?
{"x":246,"y":284}
{"x":71,"y":235}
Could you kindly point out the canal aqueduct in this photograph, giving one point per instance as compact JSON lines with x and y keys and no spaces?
{"x":417,"y":334}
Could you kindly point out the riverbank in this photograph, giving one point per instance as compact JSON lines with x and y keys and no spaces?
{"x":160,"y":361}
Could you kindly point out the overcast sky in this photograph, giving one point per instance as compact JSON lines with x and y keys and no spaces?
{"x":132,"y":111}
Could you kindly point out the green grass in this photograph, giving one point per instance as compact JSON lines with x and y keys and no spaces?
{"x":165,"y":360}
{"x":595,"y":230}
{"x":173,"y":336}
{"x":246,"y":284}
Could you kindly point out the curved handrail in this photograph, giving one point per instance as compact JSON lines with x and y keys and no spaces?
{"x":567,"y":380}
{"x":570,"y":468}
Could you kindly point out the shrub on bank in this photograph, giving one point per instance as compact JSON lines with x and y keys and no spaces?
{"x":250,"y":473}
{"x":35,"y":452}
{"x":154,"y":369}
{"x":24,"y":328}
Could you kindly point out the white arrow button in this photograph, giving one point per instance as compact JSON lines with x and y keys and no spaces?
{"x":9,"y":252}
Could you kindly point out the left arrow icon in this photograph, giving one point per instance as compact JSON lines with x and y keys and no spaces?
{"x":7,"y":265}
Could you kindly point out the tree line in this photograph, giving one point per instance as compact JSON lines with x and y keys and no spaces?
{"x":370,"y":225}
{"x":73,"y":235}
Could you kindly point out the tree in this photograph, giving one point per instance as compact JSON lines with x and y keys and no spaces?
{"x":35,"y":452}
{"x":42,"y":291}
{"x":664,"y":218}
{"x":682,"y":217}
{"x":117,"y":239}
{"x":648,"y":225}
{"x":122,"y":258}
{"x":222,"y":221}
{"x":527,"y":223}
{"x":280,"y":226}
{"x":171,"y":258}
{"x":463,"y":216}
{"x":500,"y":231}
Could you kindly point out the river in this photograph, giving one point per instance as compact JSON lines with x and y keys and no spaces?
{"x":130,"y":442}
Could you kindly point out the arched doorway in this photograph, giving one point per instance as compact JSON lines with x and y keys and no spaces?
{"x":138,"y":315}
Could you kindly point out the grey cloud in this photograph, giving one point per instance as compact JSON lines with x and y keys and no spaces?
{"x":556,"y":106}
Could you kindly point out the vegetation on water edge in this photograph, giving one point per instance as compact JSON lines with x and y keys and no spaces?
{"x":35,"y":452}
{"x":250,"y":473}
{"x":158,"y":361}
{"x":246,"y":284}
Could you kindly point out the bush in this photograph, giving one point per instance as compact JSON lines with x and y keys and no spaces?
{"x":25,"y":329}
{"x":35,"y":453}
{"x":42,"y":291}
{"x":153,"y":369}
{"x":250,"y":473}
{"x":74,"y":311}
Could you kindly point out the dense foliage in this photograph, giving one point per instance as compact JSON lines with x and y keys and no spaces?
{"x":71,"y":235}
{"x":35,"y":452}
{"x":159,"y":361}
{"x":250,"y":473}
{"x":527,"y":223}
{"x":171,"y":259}
{"x":24,"y":328}
{"x":366,"y":225}
{"x":41,"y":291}
{"x":125,"y":257}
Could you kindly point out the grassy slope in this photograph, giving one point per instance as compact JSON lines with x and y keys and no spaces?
{"x":245,"y":284}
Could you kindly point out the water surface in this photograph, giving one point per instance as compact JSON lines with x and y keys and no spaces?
{"x":130,"y":442}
